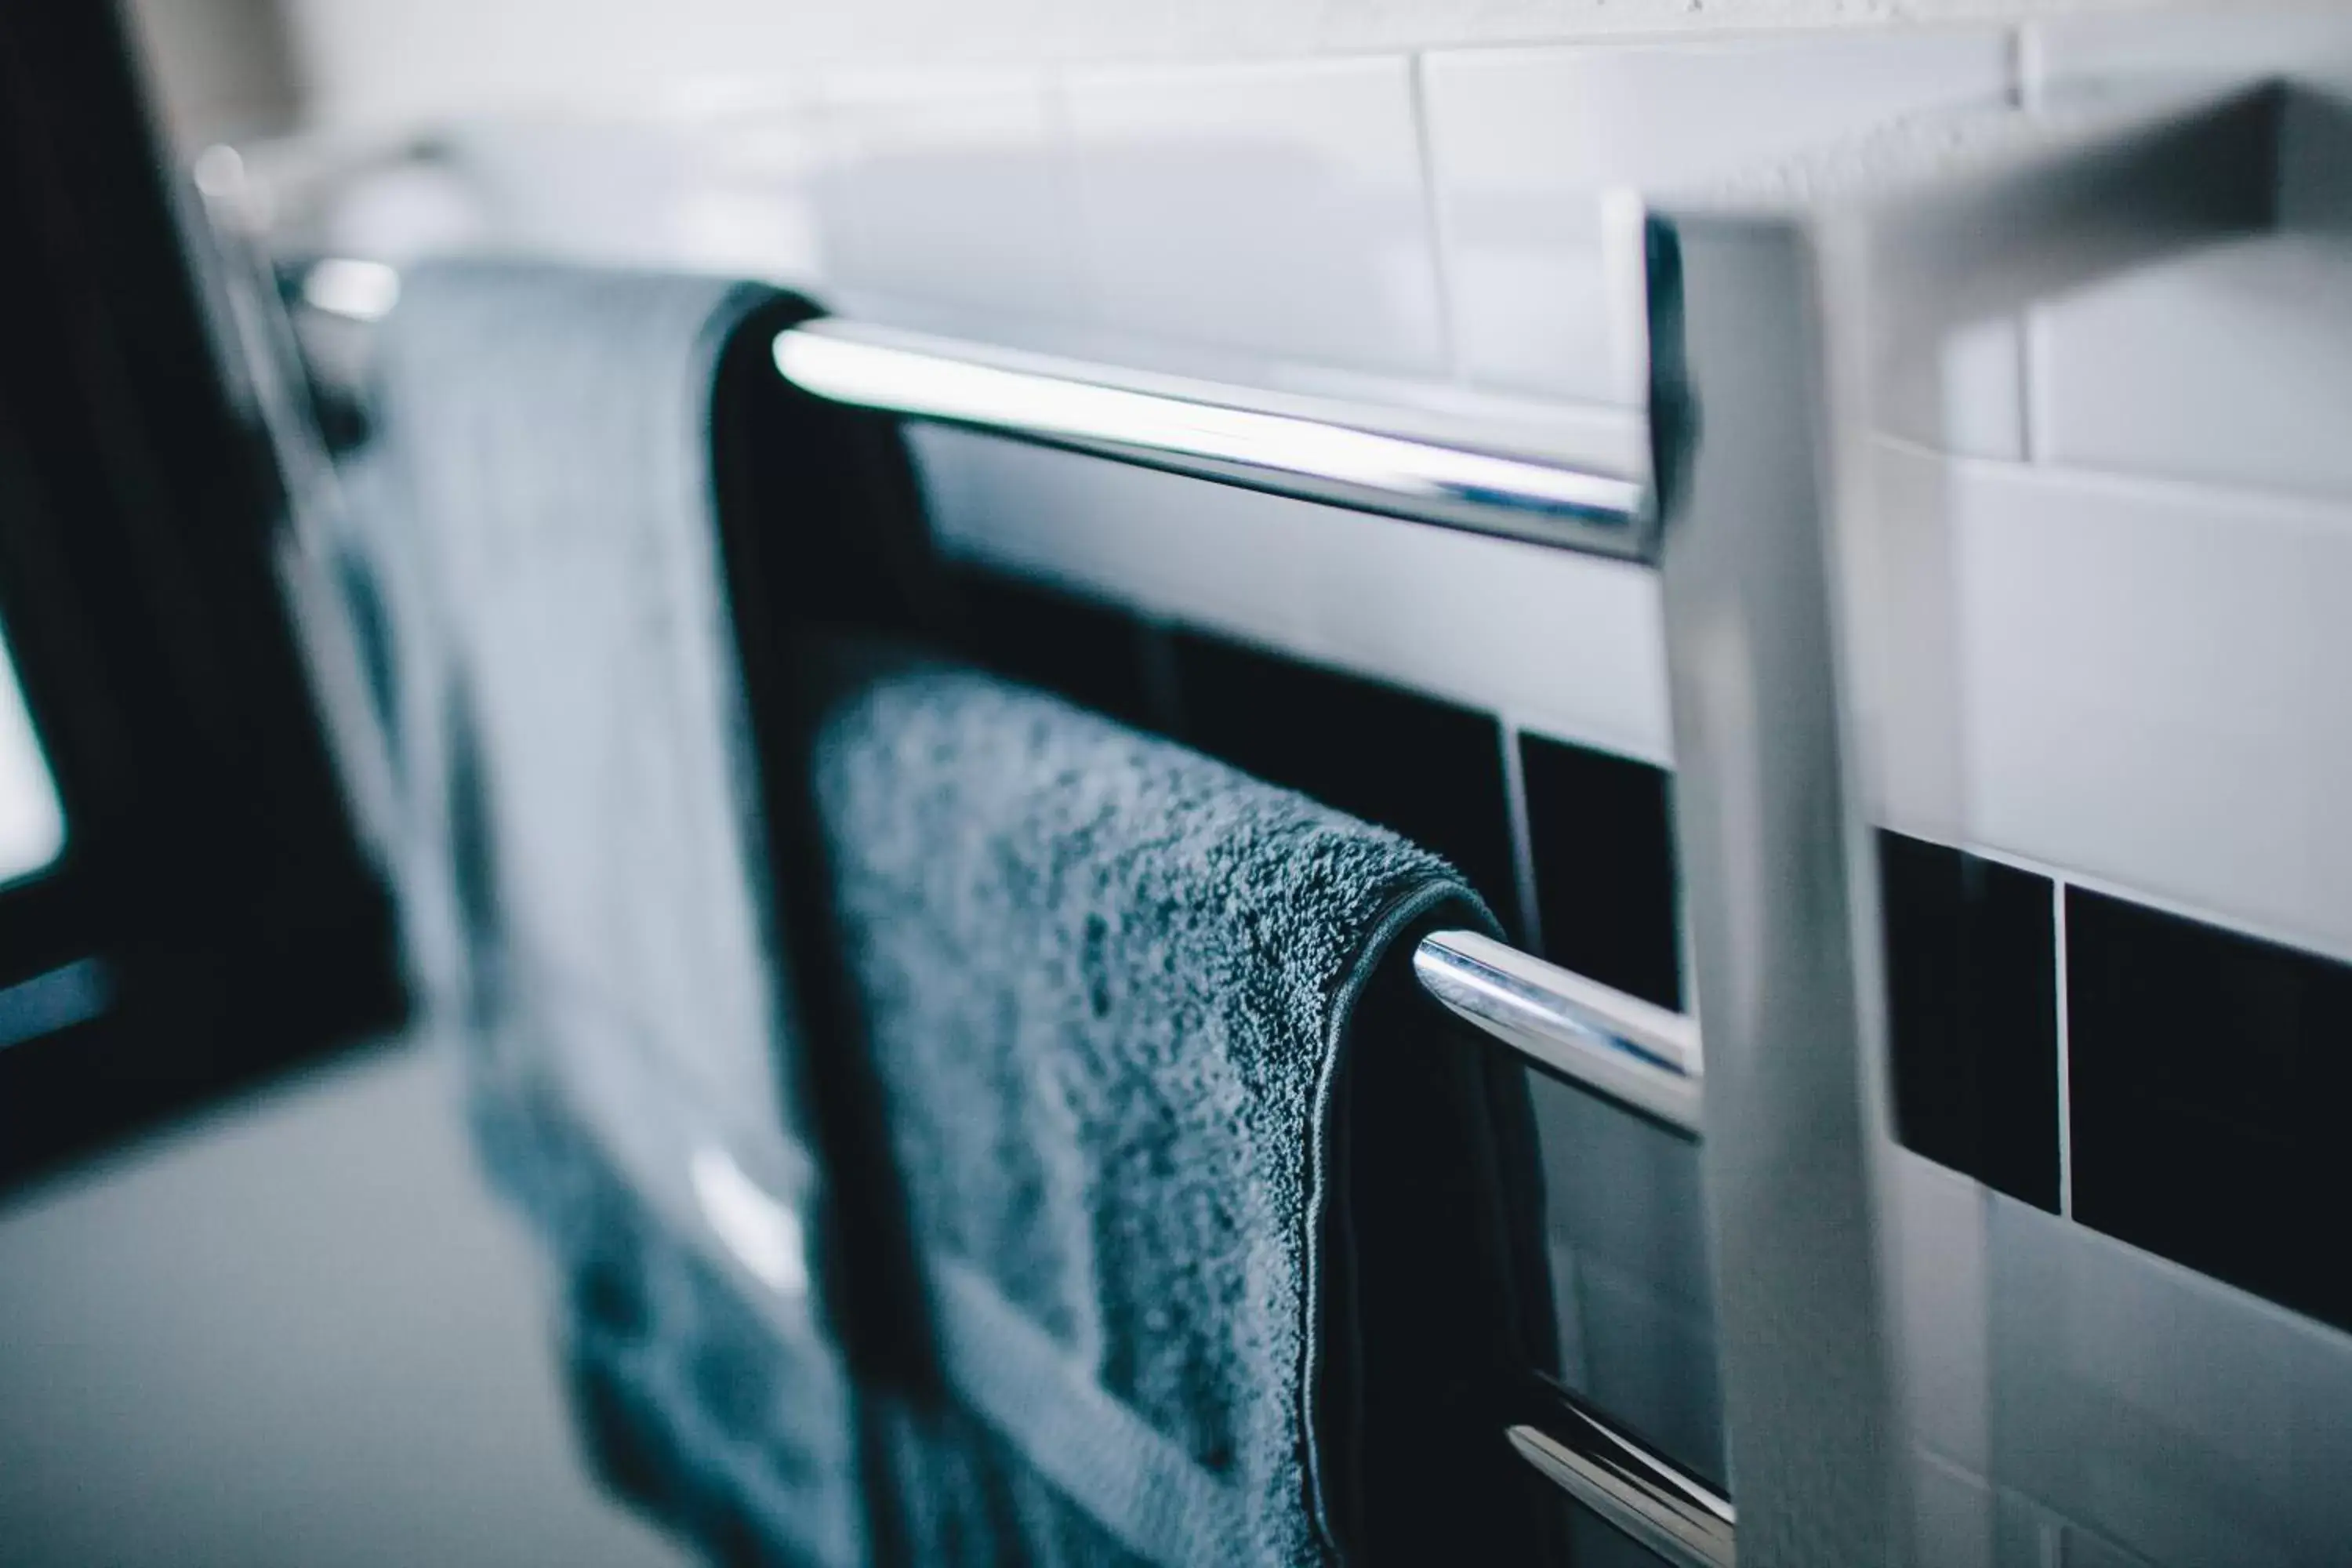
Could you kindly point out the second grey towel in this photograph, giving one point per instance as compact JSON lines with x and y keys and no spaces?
{"x":588,"y":879}
{"x":1109,"y":984}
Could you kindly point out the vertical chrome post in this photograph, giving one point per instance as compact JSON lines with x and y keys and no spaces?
{"x":1772,"y":326}
{"x":1772,"y":851}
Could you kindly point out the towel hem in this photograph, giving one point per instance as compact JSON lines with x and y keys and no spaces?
{"x":1403,"y":909}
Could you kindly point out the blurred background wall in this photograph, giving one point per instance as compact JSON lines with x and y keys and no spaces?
{"x":236,"y":66}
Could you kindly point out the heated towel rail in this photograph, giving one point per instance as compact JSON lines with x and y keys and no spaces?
{"x":1933,"y":224}
{"x":1641,"y":1056}
{"x":1310,"y":448}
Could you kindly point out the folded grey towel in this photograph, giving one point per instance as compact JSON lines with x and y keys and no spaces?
{"x":585,"y":871}
{"x":1112,"y":989}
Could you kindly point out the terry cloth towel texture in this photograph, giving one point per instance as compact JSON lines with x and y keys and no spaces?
{"x":1131,"y":1009}
{"x":583,"y":870}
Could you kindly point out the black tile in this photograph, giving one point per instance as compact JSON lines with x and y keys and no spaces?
{"x":1427,"y":769}
{"x":1091,"y":653}
{"x":2210,"y":1077}
{"x":1602,"y":843}
{"x":1972,"y":1010}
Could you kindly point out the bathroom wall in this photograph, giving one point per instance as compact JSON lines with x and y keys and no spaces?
{"x":2101,"y":675}
{"x":369,"y":61}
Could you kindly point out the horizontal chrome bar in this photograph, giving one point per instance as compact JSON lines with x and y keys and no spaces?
{"x":1675,"y":1515}
{"x":1336,"y":454}
{"x":1619,"y":1045}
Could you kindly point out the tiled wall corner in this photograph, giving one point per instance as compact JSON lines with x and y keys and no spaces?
{"x":2227,"y":364}
{"x":1276,"y":209}
{"x":1540,"y":155}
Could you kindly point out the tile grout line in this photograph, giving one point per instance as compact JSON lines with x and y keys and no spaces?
{"x":2066,"y":1054}
{"x":1523,"y":847}
{"x":2308,"y":944}
{"x":2324,"y":508}
{"x":1433,"y":211}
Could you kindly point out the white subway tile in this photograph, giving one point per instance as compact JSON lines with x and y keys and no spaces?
{"x":726,"y":198}
{"x":1277,"y":208}
{"x":1940,"y":1285}
{"x":1540,"y":155}
{"x":2162,"y":1411}
{"x":2232,"y":364}
{"x":947,"y":189}
{"x":2139,"y":682}
{"x":2227,"y":364}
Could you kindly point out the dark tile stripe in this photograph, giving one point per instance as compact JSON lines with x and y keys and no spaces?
{"x":1972,"y":977}
{"x":1089,"y":652}
{"x":2209,"y":1077}
{"x":1602,"y":840}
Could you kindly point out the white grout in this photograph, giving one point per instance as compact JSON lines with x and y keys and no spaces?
{"x":2162,"y":903}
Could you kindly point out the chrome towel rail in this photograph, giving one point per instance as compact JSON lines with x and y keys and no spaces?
{"x":1312,"y":450}
{"x":1619,"y":1045}
{"x":1680,"y":1517}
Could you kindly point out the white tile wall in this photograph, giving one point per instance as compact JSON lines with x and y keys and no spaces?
{"x":2107,"y":1398}
{"x":2228,"y":364}
{"x":2152,"y":687}
{"x":2161,"y":1411}
{"x":1276,"y":208}
{"x":680,"y":195}
{"x":1540,"y":156}
{"x":2133,"y":681}
{"x":948,"y":188}
{"x":1940,"y":1295}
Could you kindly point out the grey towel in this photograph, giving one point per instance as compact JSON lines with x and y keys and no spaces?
{"x":1112,"y":987}
{"x":585,"y":872}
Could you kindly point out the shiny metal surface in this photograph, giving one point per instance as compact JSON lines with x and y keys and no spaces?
{"x":1677,"y":1517}
{"x":1776,"y":315}
{"x":1618,"y":1046}
{"x":1335,"y":454}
